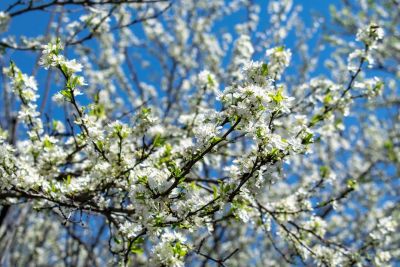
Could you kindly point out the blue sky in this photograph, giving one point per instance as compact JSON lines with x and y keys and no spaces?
{"x":33,"y":24}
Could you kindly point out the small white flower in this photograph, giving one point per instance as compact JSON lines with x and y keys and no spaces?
{"x":73,"y":65}
{"x":30,"y":82}
{"x":4,"y":20}
{"x":58,"y":98}
{"x":370,"y":34}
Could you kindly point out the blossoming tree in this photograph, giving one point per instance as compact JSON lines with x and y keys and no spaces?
{"x":199,"y":133}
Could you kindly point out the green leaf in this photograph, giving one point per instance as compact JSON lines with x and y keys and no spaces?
{"x":168,"y":149}
{"x":216,"y":139}
{"x":158,"y":220}
{"x":158,"y":141}
{"x":307,"y":139}
{"x":55,"y":124}
{"x":317,"y":118}
{"x":100,"y":144}
{"x":73,"y":82}
{"x":264,"y":69}
{"x":137,"y":246}
{"x":53,"y":187}
{"x":68,"y":180}
{"x":137,"y":250}
{"x":389,"y":146}
{"x":67,"y":94}
{"x":47,"y":143}
{"x":327,"y":99}
{"x":180,"y":249}
{"x":215,"y":191}
{"x":259,"y":132}
{"x":210,"y":80}
{"x":174,"y":169}
{"x":379,"y":86}
{"x":351,"y":184}
{"x":324,"y":171}
{"x":140,"y":196}
{"x":143,"y":180}
{"x":98,"y":110}
{"x":64,"y":69}
{"x":145,"y":111}
{"x":278,"y":97}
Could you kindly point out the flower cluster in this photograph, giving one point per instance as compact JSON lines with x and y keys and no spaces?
{"x":279,"y":59}
{"x":207,"y":151}
{"x":51,"y":57}
{"x":370,"y":35}
{"x":243,"y":51}
{"x":171,"y":249}
{"x":25,"y":88}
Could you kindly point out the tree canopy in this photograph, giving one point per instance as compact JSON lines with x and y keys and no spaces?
{"x":199,"y":133}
